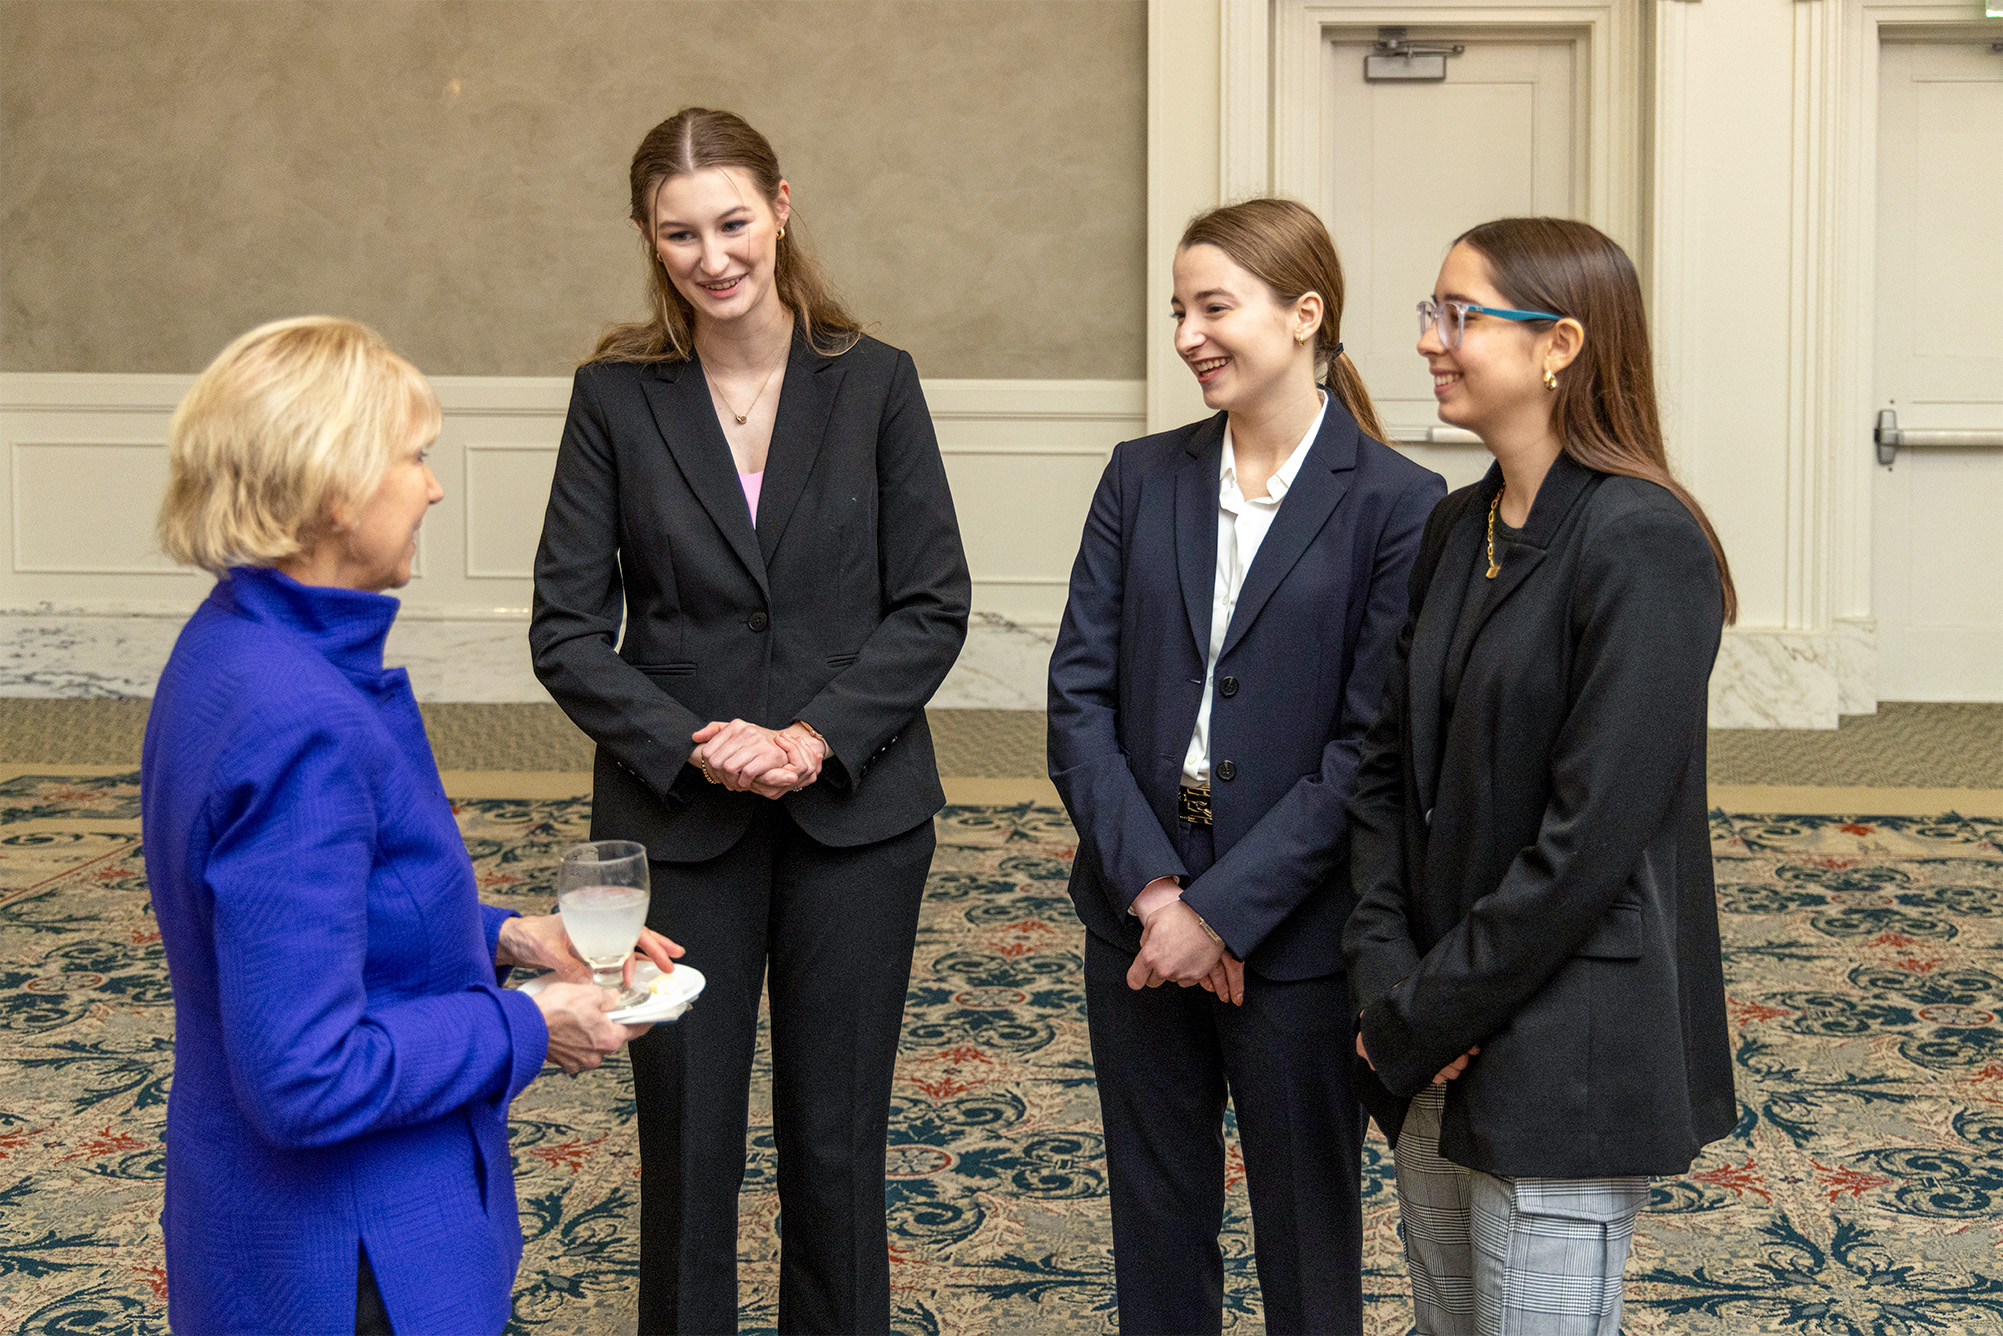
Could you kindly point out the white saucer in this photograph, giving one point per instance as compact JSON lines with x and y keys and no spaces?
{"x":671,"y":994}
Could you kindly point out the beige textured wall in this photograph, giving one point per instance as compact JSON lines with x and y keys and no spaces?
{"x":973,"y":172}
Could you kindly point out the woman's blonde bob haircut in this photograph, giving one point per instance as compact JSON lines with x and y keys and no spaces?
{"x":291,"y":420}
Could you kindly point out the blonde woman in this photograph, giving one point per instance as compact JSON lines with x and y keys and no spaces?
{"x":337,"y":1144}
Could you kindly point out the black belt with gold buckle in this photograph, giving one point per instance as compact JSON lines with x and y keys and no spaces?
{"x":1194,"y":806}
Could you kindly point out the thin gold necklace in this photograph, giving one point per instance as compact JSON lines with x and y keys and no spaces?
{"x":1493,"y":506}
{"x":745,"y":416}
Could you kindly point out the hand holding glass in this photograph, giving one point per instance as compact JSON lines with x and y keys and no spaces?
{"x":601,"y":891}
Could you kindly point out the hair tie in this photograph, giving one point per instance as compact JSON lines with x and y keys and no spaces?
{"x":1338,"y":351}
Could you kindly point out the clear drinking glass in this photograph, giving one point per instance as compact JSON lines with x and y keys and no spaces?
{"x":601,"y":891}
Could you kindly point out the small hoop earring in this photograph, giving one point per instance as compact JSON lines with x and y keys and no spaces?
{"x":1300,"y":340}
{"x":782,"y":234}
{"x":1550,"y":381}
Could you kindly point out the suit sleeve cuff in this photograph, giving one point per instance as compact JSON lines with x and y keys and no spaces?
{"x":491,"y":919}
{"x":1153,"y":897}
{"x":528,"y":1034}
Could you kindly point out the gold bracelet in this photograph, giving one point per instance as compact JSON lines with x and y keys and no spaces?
{"x":1209,"y":931}
{"x":702,"y":764}
{"x":815,"y":734}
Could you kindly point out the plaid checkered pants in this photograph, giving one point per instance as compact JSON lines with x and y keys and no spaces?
{"x":1496,"y":1256}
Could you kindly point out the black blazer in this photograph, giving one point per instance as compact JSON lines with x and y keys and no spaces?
{"x":1535,"y":871}
{"x":1299,"y":679}
{"x":844,"y":608}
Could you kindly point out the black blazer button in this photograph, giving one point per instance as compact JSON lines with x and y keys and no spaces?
{"x":1227,"y":771}
{"x":1227,"y":686}
{"x":758,"y":621}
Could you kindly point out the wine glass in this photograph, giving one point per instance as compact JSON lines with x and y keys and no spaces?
{"x":601,"y":892}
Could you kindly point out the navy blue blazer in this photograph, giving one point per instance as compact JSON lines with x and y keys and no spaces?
{"x":1299,"y":681}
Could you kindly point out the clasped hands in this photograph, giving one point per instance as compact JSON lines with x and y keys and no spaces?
{"x":1176,"y":949}
{"x":1441,"y":1077}
{"x":769,"y":762}
{"x":574,"y":1010}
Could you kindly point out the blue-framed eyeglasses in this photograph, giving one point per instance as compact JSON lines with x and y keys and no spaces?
{"x":1451,"y":318}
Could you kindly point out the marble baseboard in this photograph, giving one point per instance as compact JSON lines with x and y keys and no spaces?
{"x":1795,"y":679}
{"x":484,"y":661}
{"x":1764,"y":679}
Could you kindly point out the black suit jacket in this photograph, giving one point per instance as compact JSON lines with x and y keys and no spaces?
{"x":844,"y":607}
{"x":1535,"y":869}
{"x":1299,"y":679}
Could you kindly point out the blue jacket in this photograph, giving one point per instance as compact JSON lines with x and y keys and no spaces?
{"x":1299,"y":681}
{"x":343,"y":1054}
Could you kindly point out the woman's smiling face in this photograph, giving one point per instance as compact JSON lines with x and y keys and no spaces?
{"x":1498,"y":369}
{"x":1240,"y":340}
{"x":718,"y":238}
{"x":380,"y":541}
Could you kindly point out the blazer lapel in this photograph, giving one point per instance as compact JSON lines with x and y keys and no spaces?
{"x":1318,"y":488}
{"x":1561,"y":489}
{"x":1196,"y":528}
{"x":1434,"y":633}
{"x":678,"y":394}
{"x":806,"y":403}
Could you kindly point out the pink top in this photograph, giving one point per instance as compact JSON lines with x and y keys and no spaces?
{"x":751,"y":482}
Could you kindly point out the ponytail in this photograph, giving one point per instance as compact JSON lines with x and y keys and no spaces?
{"x":1284,"y":245}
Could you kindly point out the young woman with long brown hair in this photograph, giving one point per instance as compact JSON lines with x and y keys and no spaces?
{"x":1535,"y":952}
{"x":1231,"y":618}
{"x":752,"y":487}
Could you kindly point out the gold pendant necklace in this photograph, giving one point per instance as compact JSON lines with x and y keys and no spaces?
{"x":1493,"y":506}
{"x":764,"y":385}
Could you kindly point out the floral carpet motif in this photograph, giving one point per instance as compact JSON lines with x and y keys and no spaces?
{"x":1862,"y":1192}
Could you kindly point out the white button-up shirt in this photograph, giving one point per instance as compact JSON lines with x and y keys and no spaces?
{"x":1242,"y":523}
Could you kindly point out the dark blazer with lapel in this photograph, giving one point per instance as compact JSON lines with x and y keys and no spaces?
{"x":844,"y":607}
{"x":1535,"y":870}
{"x":1308,"y":647}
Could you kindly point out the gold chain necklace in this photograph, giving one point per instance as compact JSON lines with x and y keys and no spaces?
{"x":745,"y":416}
{"x":1493,"y":506}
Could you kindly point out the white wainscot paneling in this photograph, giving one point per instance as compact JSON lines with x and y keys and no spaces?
{"x":506,"y":488}
{"x":1023,"y":458}
{"x":87,"y":464}
{"x":87,"y":507}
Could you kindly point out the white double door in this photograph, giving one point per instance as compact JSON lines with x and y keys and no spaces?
{"x":1937,"y":553}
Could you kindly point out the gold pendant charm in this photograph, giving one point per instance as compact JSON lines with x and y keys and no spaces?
{"x":741,"y":418}
{"x":1494,"y":571}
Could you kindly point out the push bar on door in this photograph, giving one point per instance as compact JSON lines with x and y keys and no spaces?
{"x":1890,"y":436}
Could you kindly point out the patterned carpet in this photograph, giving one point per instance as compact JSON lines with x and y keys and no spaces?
{"x":1861,"y":1193}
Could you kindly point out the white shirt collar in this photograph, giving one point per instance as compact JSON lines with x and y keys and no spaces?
{"x":1283,"y":477}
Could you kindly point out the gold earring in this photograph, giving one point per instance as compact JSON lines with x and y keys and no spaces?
{"x":782,"y":234}
{"x":1550,"y":381}
{"x":1300,"y":340}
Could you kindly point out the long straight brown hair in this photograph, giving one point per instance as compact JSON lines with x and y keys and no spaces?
{"x":1283,"y":244}
{"x":692,"y":140}
{"x":1605,"y":409}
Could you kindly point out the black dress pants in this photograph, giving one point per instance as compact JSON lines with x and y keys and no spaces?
{"x":837,"y":927}
{"x":1166,"y":1059}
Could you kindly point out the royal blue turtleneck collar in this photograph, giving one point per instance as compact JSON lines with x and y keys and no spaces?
{"x":347,"y":625}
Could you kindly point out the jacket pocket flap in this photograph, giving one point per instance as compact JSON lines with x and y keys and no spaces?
{"x":1618,"y":935}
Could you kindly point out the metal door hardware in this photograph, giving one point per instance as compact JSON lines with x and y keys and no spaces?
{"x":1890,"y":437}
{"x":1394,"y":59}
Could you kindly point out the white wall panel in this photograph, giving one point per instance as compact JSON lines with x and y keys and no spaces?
{"x":87,"y":464}
{"x":86,"y":507}
{"x":506,"y":488}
